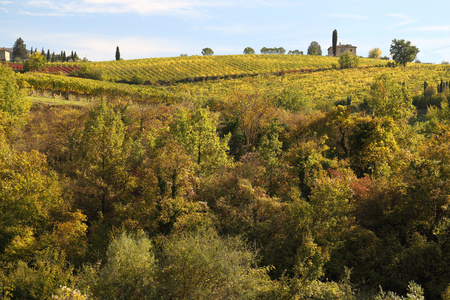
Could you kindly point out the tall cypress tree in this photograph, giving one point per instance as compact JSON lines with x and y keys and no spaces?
{"x":334,"y":41}
{"x":48,"y":55}
{"x":117,"y":53}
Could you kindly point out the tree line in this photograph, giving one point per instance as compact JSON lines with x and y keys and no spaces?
{"x":20,"y":53}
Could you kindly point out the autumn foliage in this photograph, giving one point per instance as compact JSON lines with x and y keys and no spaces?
{"x":239,"y":188}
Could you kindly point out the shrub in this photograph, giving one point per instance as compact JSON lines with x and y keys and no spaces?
{"x":129,"y":270}
{"x":430,"y":90}
{"x":205,"y":266}
{"x":415,"y":292}
{"x":39,"y":280}
{"x":347,"y":60}
{"x":137,"y":79}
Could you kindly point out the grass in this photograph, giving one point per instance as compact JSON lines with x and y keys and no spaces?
{"x":56,"y":101}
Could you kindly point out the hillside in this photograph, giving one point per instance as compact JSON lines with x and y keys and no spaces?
{"x":309,"y":81}
{"x":194,"y":68}
{"x":290,"y":178}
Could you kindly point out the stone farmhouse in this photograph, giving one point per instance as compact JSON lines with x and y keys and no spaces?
{"x":5,"y":54}
{"x":341,"y":49}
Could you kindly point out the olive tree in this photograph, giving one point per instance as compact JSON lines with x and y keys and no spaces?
{"x":207,"y":51}
{"x":403,"y":52}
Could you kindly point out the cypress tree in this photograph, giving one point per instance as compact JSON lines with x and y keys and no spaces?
{"x":334,"y":42}
{"x":48,"y":55}
{"x":117,"y":53}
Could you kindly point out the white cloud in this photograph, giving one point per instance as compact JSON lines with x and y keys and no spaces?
{"x":5,"y":3}
{"x":276,"y":4}
{"x":404,"y":20}
{"x":434,"y":28}
{"x":184,"y":7}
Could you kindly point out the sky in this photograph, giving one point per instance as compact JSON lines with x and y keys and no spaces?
{"x":165,"y":28}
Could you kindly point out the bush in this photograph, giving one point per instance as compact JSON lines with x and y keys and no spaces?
{"x":96,"y":74}
{"x":430,"y":91}
{"x":128,"y":273}
{"x":205,"y":266}
{"x":137,"y":79}
{"x":347,"y":60}
{"x":423,"y":102}
{"x":66,"y":293}
{"x":40,"y":280}
{"x":415,"y":292}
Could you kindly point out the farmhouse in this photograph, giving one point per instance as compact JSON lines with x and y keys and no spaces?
{"x":341,"y":49}
{"x":5,"y":55}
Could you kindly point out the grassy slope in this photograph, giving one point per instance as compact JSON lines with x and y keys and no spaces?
{"x":55,"y":101}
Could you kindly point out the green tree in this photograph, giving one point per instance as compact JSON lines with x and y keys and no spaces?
{"x":314,"y":49}
{"x":335,"y":37}
{"x":390,"y":100}
{"x":117,"y":53}
{"x":249,"y":50}
{"x":197,"y":132}
{"x":403,"y":52}
{"x":269,"y":153}
{"x":348,"y":60}
{"x":14,"y":108}
{"x":375,"y":53}
{"x":37,"y":61}
{"x":203,"y":265}
{"x":33,"y":213}
{"x":19,"y":49}
{"x":101,"y":161}
{"x":207,"y":51}
{"x":36,"y":279}
{"x":129,"y":272}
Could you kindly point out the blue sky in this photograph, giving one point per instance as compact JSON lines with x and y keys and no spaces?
{"x":152,"y":28}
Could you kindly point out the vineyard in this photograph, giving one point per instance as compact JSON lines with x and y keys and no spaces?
{"x":308,"y":82}
{"x":194,"y":68}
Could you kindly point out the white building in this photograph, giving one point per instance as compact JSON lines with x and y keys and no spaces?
{"x":5,"y":55}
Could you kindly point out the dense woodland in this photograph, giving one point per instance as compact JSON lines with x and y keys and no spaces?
{"x":305,"y":181}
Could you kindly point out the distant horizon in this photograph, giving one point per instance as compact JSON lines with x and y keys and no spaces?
{"x":151,"y":29}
